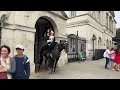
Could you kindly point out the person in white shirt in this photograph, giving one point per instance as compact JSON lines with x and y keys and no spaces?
{"x":107,"y":52}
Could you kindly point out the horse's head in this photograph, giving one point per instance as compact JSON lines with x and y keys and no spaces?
{"x":64,"y":45}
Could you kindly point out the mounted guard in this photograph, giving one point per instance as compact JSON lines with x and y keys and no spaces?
{"x":51,"y":42}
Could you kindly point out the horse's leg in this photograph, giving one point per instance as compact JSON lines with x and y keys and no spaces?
{"x":46,"y":63}
{"x":41,"y":60}
{"x":52,"y":65}
{"x":55,"y":64}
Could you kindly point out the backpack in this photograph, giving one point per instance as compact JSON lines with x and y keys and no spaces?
{"x":3,"y":75}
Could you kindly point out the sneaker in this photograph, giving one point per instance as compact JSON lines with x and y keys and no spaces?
{"x":113,"y":69}
{"x":117,"y":70}
{"x":107,"y":68}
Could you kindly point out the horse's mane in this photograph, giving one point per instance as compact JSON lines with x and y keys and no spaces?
{"x":60,"y":46}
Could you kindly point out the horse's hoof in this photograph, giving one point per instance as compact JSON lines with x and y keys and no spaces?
{"x":46,"y":69}
{"x":51,"y":72}
{"x":39,"y":69}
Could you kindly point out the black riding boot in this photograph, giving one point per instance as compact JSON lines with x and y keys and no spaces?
{"x":50,"y":51}
{"x":50,"y":54}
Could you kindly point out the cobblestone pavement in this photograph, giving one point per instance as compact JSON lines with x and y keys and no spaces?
{"x":80,"y":70}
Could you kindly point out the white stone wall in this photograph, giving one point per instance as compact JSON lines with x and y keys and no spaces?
{"x":27,"y":39}
{"x":7,"y":38}
{"x":15,"y":37}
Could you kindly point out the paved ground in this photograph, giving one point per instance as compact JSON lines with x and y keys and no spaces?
{"x":83,"y":70}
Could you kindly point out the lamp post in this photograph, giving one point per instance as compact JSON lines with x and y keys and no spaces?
{"x":77,"y":45}
{"x":93,"y":38}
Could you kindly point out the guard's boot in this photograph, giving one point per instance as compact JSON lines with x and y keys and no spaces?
{"x":50,"y":55}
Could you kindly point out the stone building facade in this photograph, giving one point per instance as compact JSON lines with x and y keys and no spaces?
{"x":98,"y":27}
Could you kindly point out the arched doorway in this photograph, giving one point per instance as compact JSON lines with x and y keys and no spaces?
{"x":110,"y":44}
{"x":107,"y":43}
{"x":43,"y":25}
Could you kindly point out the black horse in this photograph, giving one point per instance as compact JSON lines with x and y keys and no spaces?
{"x":55,"y":55}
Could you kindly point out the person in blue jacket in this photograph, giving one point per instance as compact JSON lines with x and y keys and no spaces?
{"x":22,"y":64}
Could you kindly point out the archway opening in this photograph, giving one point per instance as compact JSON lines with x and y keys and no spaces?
{"x":43,"y":25}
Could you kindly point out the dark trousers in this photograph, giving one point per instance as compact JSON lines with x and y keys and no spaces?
{"x":107,"y":61}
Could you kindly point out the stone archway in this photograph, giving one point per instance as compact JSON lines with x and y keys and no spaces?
{"x":107,"y":43}
{"x":42,"y":33}
{"x":110,"y":44}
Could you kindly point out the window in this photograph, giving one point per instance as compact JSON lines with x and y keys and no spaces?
{"x":71,"y":43}
{"x":99,"y":16}
{"x":110,"y":44}
{"x":106,"y":20}
{"x":110,"y":23}
{"x":112,"y":27}
{"x":93,"y":14}
{"x":82,"y":47}
{"x":72,"y":13}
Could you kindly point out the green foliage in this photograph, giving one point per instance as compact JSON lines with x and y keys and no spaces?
{"x":118,"y":33}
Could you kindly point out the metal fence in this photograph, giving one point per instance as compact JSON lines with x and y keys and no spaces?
{"x":76,"y":45}
{"x":99,"y":53}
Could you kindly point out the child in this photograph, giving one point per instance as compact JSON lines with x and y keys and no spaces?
{"x":22,"y":64}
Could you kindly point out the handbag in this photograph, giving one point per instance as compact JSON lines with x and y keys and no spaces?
{"x":3,"y":75}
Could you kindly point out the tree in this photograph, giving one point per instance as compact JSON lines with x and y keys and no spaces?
{"x":118,"y":33}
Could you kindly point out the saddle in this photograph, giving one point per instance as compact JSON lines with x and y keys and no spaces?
{"x":52,"y":47}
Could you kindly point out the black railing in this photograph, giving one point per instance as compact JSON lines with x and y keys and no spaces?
{"x":99,"y":54}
